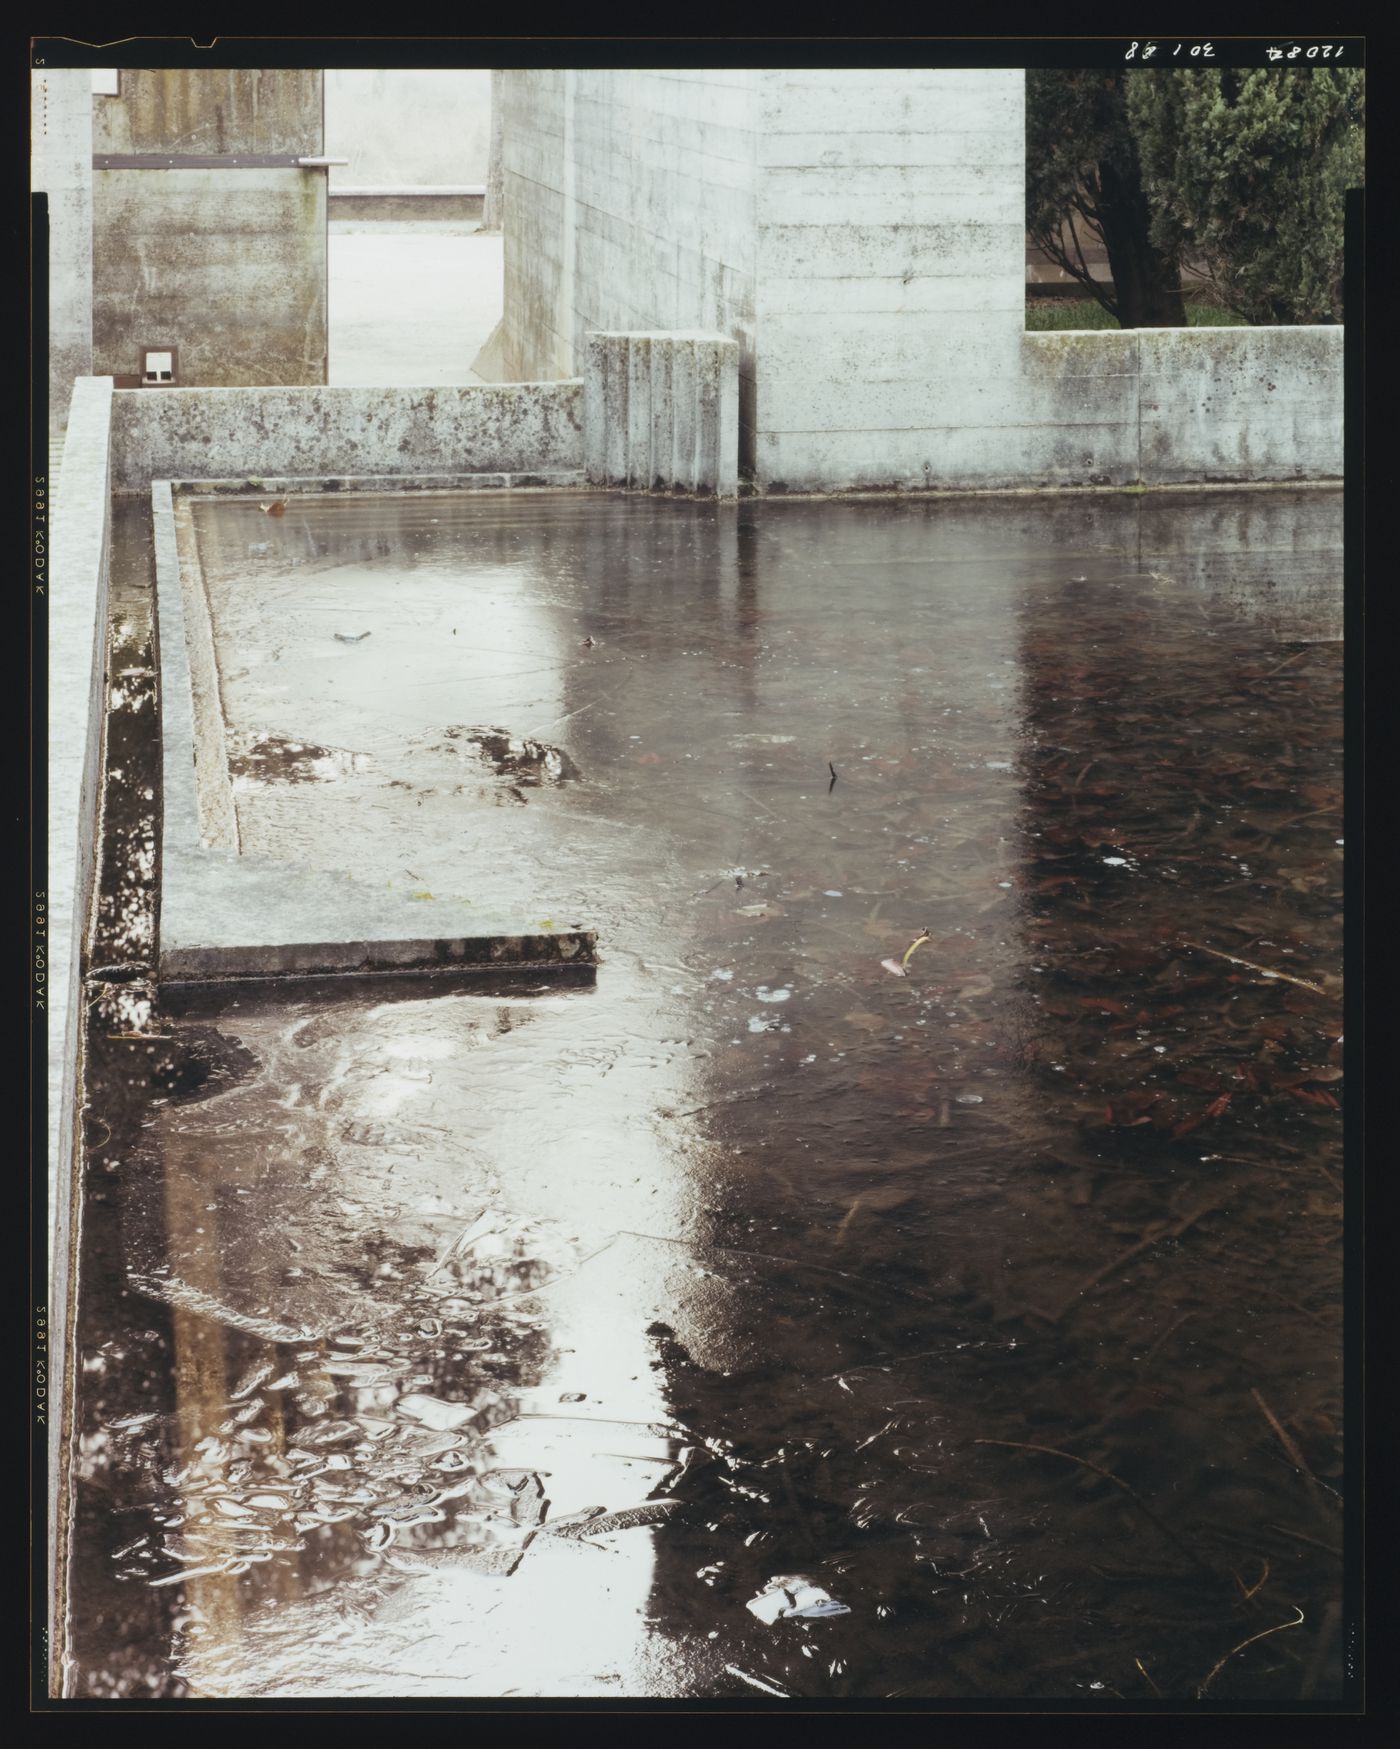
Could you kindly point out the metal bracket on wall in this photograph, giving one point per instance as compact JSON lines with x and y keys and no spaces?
{"x":208,"y":161}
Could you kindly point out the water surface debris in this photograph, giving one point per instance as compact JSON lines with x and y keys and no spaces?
{"x":918,"y":941}
{"x":791,"y":1596}
{"x":1250,"y":966}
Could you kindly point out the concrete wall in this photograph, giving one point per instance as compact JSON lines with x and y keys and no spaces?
{"x":77,"y":633}
{"x":890,"y":276}
{"x":204,"y":434}
{"x":862,"y":235}
{"x":629,"y":205}
{"x":227,"y":265}
{"x":189,"y":111}
{"x":225,"y":262}
{"x":406,"y":127}
{"x":61,"y":133}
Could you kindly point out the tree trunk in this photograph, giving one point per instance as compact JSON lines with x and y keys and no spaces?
{"x":495,"y":172}
{"x":1146,"y":284}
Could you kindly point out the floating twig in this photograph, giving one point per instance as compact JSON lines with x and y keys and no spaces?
{"x":1295,"y":1457}
{"x":1258,"y":1584}
{"x":846,"y":1220}
{"x":1250,"y":966}
{"x":1118,"y":1482}
{"x":1326,"y":1635}
{"x":1312,"y":1541}
{"x":1200,"y":1692}
{"x":1150,"y":1683}
{"x":918,"y":941}
{"x":1154,"y":1237}
{"x":1166,"y":1336}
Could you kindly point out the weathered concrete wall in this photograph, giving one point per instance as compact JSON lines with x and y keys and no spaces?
{"x":890,"y":272}
{"x":61,"y":124}
{"x":227,"y":265}
{"x":202,"y":434}
{"x":225,"y":262}
{"x":407,"y":127}
{"x":629,"y":202}
{"x":77,"y":616}
{"x":1240,"y":403}
{"x":193,"y":111}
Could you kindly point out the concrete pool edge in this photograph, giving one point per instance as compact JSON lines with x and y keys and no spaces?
{"x":224,"y":917}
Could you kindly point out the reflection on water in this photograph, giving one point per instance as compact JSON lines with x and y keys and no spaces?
{"x":515,"y":1342}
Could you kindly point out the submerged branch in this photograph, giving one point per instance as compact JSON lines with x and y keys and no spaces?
{"x":1118,"y":1482}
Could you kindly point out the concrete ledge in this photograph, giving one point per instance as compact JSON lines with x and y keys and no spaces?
{"x":412,"y":206}
{"x":77,"y":631}
{"x":409,"y":191}
{"x":230,"y":917}
{"x":276,"y":484}
{"x":320,"y":432}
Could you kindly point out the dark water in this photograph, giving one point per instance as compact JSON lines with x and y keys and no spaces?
{"x":442,"y":1340}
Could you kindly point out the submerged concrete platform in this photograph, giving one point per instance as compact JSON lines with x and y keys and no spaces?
{"x":230,"y":914}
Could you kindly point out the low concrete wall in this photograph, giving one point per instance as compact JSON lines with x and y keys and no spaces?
{"x":1150,"y":406}
{"x":198,"y":434}
{"x":77,"y":615}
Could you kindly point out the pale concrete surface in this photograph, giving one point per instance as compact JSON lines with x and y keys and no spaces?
{"x":417,"y":125}
{"x":411,"y":304}
{"x":197,"y":434}
{"x":61,"y":167}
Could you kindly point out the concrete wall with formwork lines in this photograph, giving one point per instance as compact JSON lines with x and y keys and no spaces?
{"x":860,"y":233}
{"x":629,"y":206}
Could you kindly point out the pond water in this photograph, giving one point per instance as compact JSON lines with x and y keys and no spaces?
{"x":934,"y":1202}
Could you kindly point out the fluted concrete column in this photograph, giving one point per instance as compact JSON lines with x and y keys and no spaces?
{"x":661,"y":412}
